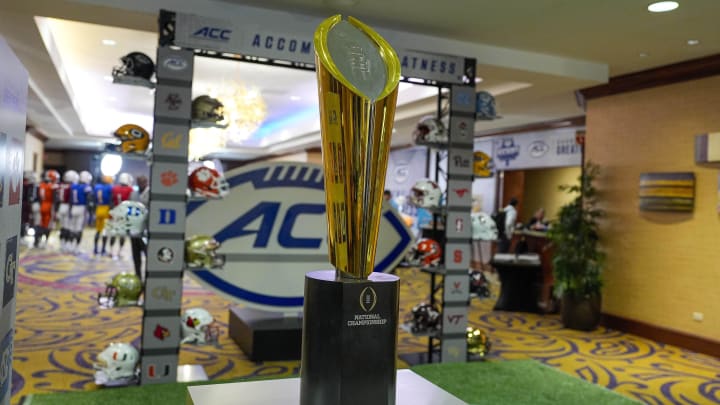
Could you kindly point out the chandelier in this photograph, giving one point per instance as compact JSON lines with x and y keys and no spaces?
{"x":244,"y":110}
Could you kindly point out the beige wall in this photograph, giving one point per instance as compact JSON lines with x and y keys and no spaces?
{"x":541,"y":190}
{"x":661,"y":267}
{"x":34,"y":147}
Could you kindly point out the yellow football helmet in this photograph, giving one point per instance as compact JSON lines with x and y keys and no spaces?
{"x":482,"y":165}
{"x":133,"y":138}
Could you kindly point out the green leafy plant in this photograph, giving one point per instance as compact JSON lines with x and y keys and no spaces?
{"x":577,"y":260}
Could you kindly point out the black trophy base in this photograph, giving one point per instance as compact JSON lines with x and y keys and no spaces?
{"x":266,"y":336}
{"x":349,"y":340}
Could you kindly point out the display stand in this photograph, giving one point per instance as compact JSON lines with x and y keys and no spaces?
{"x":177,"y":46}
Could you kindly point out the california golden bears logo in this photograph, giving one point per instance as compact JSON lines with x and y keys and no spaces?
{"x":482,"y":165}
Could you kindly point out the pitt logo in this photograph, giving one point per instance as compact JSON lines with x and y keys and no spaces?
{"x":171,"y":140}
{"x":368,"y":299}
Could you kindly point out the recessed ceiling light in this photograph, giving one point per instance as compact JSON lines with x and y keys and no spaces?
{"x":108,"y":42}
{"x":294,"y":98}
{"x":692,"y":42}
{"x":663,"y":6}
{"x":643,"y":55}
{"x":478,"y":79}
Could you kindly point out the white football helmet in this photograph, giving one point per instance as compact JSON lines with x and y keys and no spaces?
{"x":199,"y":327}
{"x":71,"y":176}
{"x":117,"y":362}
{"x":426,"y":194}
{"x":126,"y":179}
{"x":430,"y":130}
{"x":85,"y":177}
{"x":483,"y":227}
{"x":128,"y":218}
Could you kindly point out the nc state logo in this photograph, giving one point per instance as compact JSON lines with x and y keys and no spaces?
{"x":161,"y":332}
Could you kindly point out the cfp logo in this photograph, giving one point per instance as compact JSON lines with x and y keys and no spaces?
{"x":10,"y":267}
{"x":168,"y":216}
{"x":10,"y":270}
{"x":171,"y":140}
{"x":368,"y":299}
{"x":163,"y":293}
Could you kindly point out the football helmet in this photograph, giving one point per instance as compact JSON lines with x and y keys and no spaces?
{"x":116,"y":364}
{"x":123,"y":290}
{"x":135,"y":64}
{"x":483,"y":226}
{"x":85,"y":177}
{"x":426,"y":194}
{"x":207,"y":182}
{"x":485,"y":106}
{"x":430,"y":130}
{"x":133,"y":138}
{"x":126,"y":179}
{"x":207,"y":109}
{"x":201,"y":252}
{"x":482,"y":165}
{"x":128,"y":218}
{"x":425,"y":253}
{"x":71,"y":176}
{"x":479,"y":284}
{"x":52,"y":176}
{"x":199,"y":327}
{"x":478,"y":343}
{"x":425,"y":318}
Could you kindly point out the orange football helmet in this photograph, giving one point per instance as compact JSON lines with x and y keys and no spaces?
{"x":207,"y":182}
{"x":133,"y":138}
{"x":425,"y":253}
{"x":52,"y":176}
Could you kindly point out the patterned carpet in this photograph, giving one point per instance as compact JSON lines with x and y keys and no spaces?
{"x":60,"y":329}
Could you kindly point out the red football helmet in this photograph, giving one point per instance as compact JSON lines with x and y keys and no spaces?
{"x":207,"y":182}
{"x":425,"y":253}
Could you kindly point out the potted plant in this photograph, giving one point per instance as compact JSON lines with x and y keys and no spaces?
{"x":577,"y":260}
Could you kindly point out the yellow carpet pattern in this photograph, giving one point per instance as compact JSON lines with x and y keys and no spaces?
{"x":60,"y":329}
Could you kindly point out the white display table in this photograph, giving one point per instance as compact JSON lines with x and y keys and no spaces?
{"x":411,"y":390}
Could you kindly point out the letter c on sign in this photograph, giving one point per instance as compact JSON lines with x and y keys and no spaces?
{"x":285,"y":238}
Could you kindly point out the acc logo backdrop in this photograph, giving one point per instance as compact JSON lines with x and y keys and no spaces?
{"x":272,"y":227}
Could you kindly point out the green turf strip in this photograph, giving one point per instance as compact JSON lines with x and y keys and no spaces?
{"x":519,"y":382}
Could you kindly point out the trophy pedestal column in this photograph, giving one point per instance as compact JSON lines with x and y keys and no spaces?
{"x":349,"y":341}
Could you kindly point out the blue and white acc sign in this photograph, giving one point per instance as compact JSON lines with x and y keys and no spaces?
{"x":273,"y":230}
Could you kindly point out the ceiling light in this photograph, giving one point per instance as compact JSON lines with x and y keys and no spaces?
{"x":108,"y":42}
{"x":294,"y":98}
{"x":111,"y":164}
{"x":643,"y":55}
{"x":478,"y":79}
{"x":663,"y":6}
{"x":692,"y":42}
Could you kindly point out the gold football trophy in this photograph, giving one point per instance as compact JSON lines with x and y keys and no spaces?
{"x":358,"y":75}
{"x":350,"y":314}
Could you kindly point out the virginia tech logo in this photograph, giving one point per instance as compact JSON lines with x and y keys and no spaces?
{"x":368,"y":299}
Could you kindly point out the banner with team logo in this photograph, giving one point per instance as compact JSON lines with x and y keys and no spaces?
{"x":557,"y":148}
{"x":273,"y":230}
{"x":295,"y":44}
{"x":13,"y":104}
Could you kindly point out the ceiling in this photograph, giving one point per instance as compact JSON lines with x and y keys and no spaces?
{"x":531,"y":55}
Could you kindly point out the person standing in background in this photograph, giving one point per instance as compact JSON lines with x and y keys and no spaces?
{"x":387,"y":196}
{"x":103,"y":198}
{"x":137,"y":244}
{"x":80,"y":200}
{"x":120,"y":192}
{"x":46,"y":201}
{"x":510,"y":220}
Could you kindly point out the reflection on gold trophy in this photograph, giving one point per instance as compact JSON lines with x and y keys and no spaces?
{"x":358,"y":75}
